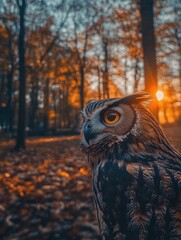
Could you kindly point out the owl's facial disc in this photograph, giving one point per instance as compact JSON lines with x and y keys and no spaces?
{"x":105,"y":126}
{"x":107,"y":117}
{"x":96,"y":127}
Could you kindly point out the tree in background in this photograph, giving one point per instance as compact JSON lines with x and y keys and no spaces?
{"x":20,"y":140}
{"x":128,"y":16}
{"x":149,"y":51}
{"x":80,"y":50}
{"x":168,"y":38}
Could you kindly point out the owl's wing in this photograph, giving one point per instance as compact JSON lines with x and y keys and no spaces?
{"x":139,"y":201}
{"x":154,"y":200}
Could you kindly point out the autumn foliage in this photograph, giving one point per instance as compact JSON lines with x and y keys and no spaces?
{"x":76,"y":51}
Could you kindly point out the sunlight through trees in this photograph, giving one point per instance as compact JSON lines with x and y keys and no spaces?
{"x":80,"y":50}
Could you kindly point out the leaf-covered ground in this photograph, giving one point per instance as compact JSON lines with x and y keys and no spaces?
{"x":45,"y":191}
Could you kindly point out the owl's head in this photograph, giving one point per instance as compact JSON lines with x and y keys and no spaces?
{"x":109,"y":122}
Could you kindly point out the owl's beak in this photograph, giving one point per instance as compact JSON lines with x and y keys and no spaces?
{"x":88,"y":133}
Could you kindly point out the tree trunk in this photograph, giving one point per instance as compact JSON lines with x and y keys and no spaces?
{"x":165,"y":113}
{"x":9,"y":102}
{"x":149,"y":53}
{"x":125,"y":77}
{"x":178,"y":40}
{"x":99,"y":82}
{"x":82,"y":74}
{"x":2,"y":86}
{"x":136,"y":74}
{"x":46,"y":105}
{"x":106,"y":70}
{"x":67,"y":108}
{"x":34,"y":105}
{"x":10,"y":75}
{"x":54,"y":98}
{"x":20,"y":140}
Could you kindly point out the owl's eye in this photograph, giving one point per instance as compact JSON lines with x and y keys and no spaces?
{"x":111,"y":117}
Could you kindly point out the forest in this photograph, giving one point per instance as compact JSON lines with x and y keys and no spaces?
{"x":54,"y":56}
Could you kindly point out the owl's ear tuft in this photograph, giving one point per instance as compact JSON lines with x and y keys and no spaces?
{"x":143,"y":98}
{"x":91,"y":100}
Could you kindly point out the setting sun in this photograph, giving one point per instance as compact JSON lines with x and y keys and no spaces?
{"x":159,"y":95}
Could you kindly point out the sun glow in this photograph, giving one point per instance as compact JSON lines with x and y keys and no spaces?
{"x":159,"y":95}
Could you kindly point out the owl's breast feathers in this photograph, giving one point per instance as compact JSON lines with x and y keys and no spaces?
{"x":138,"y":201}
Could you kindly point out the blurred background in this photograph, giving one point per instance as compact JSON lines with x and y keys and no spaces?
{"x":54,"y":57}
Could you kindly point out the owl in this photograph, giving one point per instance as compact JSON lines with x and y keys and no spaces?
{"x":136,"y":173}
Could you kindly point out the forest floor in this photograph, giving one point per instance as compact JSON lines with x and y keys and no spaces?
{"x":45,"y":190}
